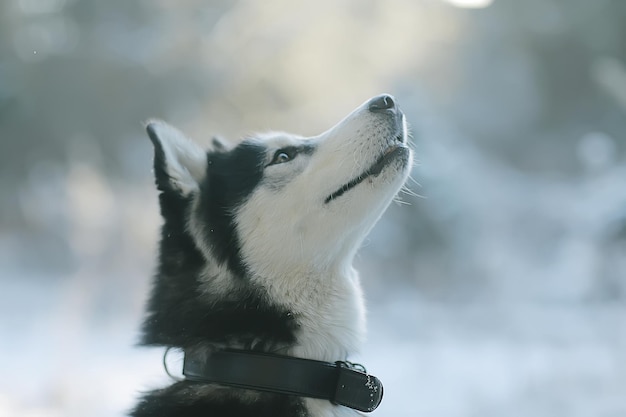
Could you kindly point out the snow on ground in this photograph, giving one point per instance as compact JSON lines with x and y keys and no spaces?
{"x":498,"y":360}
{"x":435,"y":359}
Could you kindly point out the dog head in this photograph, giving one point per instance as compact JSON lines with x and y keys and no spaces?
{"x":278,"y":203}
{"x":258,"y":239}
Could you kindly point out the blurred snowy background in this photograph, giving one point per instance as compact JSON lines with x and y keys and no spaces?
{"x":500,"y":292}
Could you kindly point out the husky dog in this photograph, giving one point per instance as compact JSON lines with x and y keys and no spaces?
{"x":256,"y":252}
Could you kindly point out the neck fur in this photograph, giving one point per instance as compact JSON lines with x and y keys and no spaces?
{"x":329,"y":310}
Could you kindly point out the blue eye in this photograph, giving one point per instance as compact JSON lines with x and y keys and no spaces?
{"x":283,"y":155}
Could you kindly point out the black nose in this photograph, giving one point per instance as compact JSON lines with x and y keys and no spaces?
{"x":382,"y":103}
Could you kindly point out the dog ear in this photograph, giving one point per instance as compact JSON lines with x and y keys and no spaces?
{"x":220,"y":144}
{"x":179,"y":163}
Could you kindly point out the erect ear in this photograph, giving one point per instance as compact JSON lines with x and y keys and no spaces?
{"x":179,"y":163}
{"x":220,"y":144}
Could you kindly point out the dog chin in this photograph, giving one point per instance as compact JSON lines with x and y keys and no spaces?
{"x":395,"y":155}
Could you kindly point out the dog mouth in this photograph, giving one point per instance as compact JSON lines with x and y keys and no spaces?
{"x":390,"y":154}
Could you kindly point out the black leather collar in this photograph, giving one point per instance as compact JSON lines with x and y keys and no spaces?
{"x":340,"y":382}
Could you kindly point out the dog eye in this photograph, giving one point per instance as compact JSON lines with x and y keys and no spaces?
{"x":283,"y":155}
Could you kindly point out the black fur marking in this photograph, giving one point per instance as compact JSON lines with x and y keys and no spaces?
{"x":179,"y":313}
{"x":183,"y":400}
{"x":231,"y":177}
{"x":184,"y":317}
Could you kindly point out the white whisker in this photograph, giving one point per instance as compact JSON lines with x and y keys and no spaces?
{"x":408,"y":191}
{"x":401,"y":202}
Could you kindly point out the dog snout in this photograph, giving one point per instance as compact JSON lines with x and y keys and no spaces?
{"x":382,"y":103}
